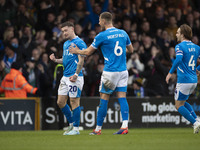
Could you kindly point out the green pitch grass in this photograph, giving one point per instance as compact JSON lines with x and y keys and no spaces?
{"x":137,"y":139}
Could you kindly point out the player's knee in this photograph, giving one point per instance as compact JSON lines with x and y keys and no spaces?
{"x":177,"y":106}
{"x":60,"y":104}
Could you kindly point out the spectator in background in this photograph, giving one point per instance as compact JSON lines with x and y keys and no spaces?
{"x":30,"y":72}
{"x":172,"y":27}
{"x":40,"y":38}
{"x":15,"y":85}
{"x":127,"y":24}
{"x":172,"y":54}
{"x":36,"y":76}
{"x":47,"y":87}
{"x":26,"y":40}
{"x":154,"y":74}
{"x":165,"y":42}
{"x":10,"y":55}
{"x":179,"y":16}
{"x":49,"y":24}
{"x":93,"y":12}
{"x":23,"y":17}
{"x":8,"y":34}
{"x":145,"y":49}
{"x":88,"y":40}
{"x":195,"y":40}
{"x":185,"y":6}
{"x":159,"y":20}
{"x":3,"y":70}
{"x":36,"y":53}
{"x":79,"y":31}
{"x":62,"y":17}
{"x":7,"y":15}
{"x":31,"y":9}
{"x":134,"y":63}
{"x":78,"y":12}
{"x":136,"y":89}
{"x":45,"y":8}
{"x":145,"y":30}
{"x":15,"y":43}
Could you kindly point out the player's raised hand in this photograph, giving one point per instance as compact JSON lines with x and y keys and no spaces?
{"x":52,"y":57}
{"x":73,"y":78}
{"x":73,"y":49}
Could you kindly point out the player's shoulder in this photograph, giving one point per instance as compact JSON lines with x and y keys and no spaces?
{"x":100,"y":35}
{"x":197,"y":46}
{"x":65,"y":44}
{"x":80,"y":43}
{"x":179,"y":46}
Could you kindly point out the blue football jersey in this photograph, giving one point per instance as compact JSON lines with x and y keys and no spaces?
{"x":186,"y":70}
{"x":113,"y":44}
{"x":70,"y":60}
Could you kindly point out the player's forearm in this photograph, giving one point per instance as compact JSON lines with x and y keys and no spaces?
{"x":176,"y":63}
{"x":79,"y":67}
{"x":59,"y":61}
{"x":83,"y":52}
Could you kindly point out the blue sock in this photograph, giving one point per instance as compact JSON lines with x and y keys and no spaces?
{"x":124,"y":108}
{"x":101,"y":114}
{"x":191,"y":110}
{"x":76,"y":116}
{"x":185,"y":113}
{"x":66,"y":111}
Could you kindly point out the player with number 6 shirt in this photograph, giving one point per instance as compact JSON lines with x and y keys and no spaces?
{"x":114,"y":43}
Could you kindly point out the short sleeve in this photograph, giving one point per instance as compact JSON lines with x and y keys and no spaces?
{"x":82,"y":45}
{"x":128,"y":41}
{"x":97,"y":41}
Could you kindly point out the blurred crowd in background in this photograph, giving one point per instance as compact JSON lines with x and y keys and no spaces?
{"x":30,"y":32}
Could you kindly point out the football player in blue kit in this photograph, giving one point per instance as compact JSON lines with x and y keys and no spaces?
{"x":72,"y":81}
{"x":113,"y":43}
{"x":187,"y":54}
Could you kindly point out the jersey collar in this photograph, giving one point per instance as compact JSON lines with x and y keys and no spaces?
{"x":110,"y":28}
{"x":74,"y":38}
{"x":186,"y":41}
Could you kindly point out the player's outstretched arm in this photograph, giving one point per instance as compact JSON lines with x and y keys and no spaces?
{"x":53,"y":58}
{"x":75,"y":50}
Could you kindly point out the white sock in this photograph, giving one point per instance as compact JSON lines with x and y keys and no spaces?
{"x":71,"y":124}
{"x":98,"y":128}
{"x":76,"y":128}
{"x":124,"y":124}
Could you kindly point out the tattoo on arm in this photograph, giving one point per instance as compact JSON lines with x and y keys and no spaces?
{"x":79,"y":67}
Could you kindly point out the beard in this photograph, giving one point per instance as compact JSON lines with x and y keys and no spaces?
{"x":178,"y":40}
{"x":103,"y":28}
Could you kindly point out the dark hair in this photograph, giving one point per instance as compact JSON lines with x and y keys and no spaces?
{"x":107,"y":16}
{"x":7,"y":44}
{"x":17,"y":65}
{"x":67,"y":23}
{"x":186,"y":31}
